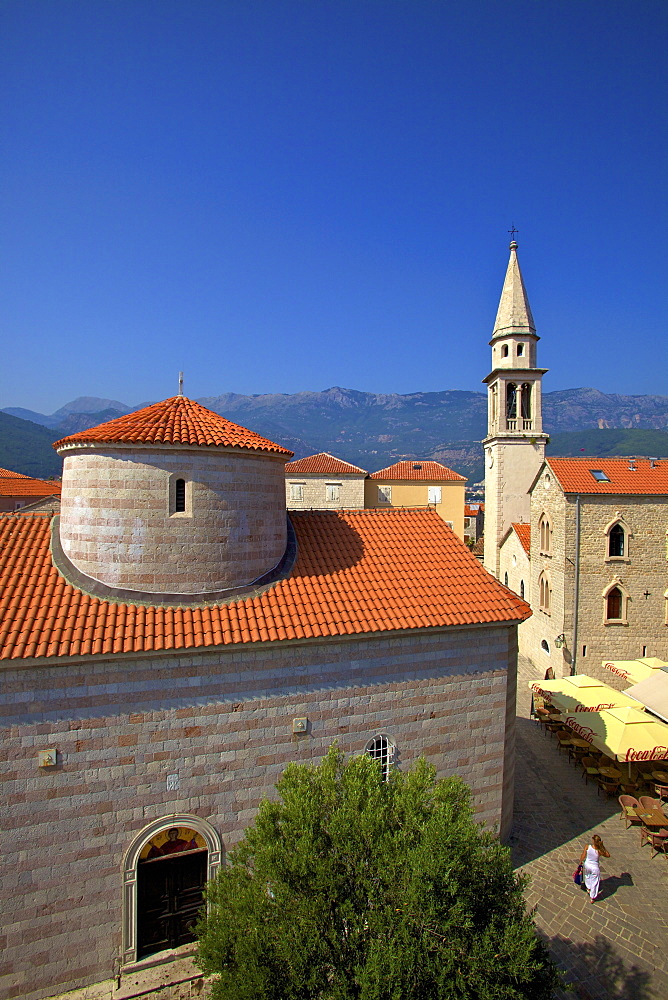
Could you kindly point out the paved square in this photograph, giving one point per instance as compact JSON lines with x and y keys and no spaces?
{"x":616,"y":949}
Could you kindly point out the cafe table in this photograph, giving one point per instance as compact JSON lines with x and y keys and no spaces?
{"x":577,"y":742}
{"x":652,"y":817}
{"x":610,"y":772}
{"x":661,"y":776}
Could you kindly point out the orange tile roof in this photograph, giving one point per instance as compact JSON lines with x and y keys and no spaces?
{"x":8,"y":474}
{"x":417,"y":469}
{"x":362,"y":571}
{"x":523,"y":532}
{"x":575,"y":476}
{"x":473,"y":509}
{"x":14,"y":484}
{"x":178,"y":420}
{"x":324,"y":463}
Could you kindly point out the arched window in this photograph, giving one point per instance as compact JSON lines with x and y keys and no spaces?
{"x":179,"y":496}
{"x":381,"y":750}
{"x":522,"y":589}
{"x":520,"y":350}
{"x":511,"y":401}
{"x":544,"y":593}
{"x":613,"y":605}
{"x":545,"y":530}
{"x":526,"y":400}
{"x":616,"y":541}
{"x":505,"y":579}
{"x":544,"y":645}
{"x":504,"y":351}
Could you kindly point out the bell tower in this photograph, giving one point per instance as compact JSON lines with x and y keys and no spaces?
{"x":515,"y":442}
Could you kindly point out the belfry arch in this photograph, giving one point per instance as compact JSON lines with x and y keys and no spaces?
{"x":131,"y":861}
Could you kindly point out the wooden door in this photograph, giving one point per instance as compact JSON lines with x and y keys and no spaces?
{"x":169,"y":898}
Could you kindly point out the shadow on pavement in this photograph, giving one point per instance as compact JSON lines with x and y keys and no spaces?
{"x":597,"y":972}
{"x":553,"y":805}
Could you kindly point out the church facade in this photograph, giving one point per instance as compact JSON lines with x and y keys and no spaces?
{"x":173,"y":640}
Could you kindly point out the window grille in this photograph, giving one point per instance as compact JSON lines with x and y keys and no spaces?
{"x":380,"y":749}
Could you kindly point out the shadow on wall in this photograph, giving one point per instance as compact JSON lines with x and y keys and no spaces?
{"x":553,"y":804}
{"x":597,"y":972}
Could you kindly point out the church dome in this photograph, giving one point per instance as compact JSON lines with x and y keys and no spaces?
{"x":172,"y":499}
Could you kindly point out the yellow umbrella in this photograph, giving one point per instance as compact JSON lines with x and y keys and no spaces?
{"x":582,"y":694}
{"x":624,"y":733}
{"x":635,"y":670}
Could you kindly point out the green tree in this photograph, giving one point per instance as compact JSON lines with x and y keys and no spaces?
{"x":355,"y":888}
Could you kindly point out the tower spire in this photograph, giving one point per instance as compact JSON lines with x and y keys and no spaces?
{"x":514,"y":313}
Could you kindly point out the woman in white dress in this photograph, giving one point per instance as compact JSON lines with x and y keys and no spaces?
{"x":590,"y":859}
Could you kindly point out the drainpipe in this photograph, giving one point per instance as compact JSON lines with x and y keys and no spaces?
{"x":576,"y":590}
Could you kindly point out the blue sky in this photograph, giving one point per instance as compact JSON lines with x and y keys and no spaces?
{"x":280,"y":195}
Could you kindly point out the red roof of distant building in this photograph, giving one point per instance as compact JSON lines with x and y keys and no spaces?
{"x":324,"y":464}
{"x":473,"y":509}
{"x":523,"y":532}
{"x":177,"y":420}
{"x":8,"y":474}
{"x":415,"y":469}
{"x":639,"y":476}
{"x":363,"y":571}
{"x":15,"y":484}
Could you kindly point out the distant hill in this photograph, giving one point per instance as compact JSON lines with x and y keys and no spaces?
{"x":376,"y":429}
{"x":26,"y":447}
{"x":602,"y":443}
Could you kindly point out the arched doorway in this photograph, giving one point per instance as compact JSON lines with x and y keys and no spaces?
{"x":164,"y":874}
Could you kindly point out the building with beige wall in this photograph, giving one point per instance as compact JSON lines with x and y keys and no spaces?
{"x":323,"y":482}
{"x":599,"y":564}
{"x":419,"y":483}
{"x":142,"y":727}
{"x":17,"y":490}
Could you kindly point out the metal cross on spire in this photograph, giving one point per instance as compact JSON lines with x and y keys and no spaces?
{"x":511,"y":232}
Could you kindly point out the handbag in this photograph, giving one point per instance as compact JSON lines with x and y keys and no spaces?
{"x":577,"y":875}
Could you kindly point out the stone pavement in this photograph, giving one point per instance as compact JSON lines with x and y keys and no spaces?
{"x":617,"y":948}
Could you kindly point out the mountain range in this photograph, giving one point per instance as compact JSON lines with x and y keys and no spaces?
{"x":371,"y":430}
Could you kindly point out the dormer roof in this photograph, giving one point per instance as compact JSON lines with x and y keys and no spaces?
{"x":324,"y":464}
{"x":514,"y":313}
{"x":177,"y":420}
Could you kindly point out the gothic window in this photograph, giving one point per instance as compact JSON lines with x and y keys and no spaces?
{"x":616,"y":541}
{"x":544,"y":593}
{"x":615,"y":606}
{"x":505,"y":579}
{"x":545,"y":529}
{"x":381,"y":750}
{"x":511,"y":401}
{"x":522,"y":589}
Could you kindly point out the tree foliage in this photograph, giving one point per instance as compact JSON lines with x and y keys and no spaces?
{"x":350,"y":887}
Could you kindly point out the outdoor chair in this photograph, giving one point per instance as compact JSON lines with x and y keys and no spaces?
{"x":658,"y":841}
{"x":564,"y":741}
{"x":589,"y":768}
{"x":647,"y":802}
{"x":609,"y":785}
{"x":628,"y":806}
{"x":661,"y":792}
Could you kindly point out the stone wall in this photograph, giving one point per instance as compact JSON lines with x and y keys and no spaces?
{"x":208,"y":734}
{"x":314,"y":492}
{"x":118,"y":523}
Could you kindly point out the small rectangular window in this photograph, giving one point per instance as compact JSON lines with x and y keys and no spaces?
{"x":296,"y":491}
{"x":384,"y":494}
{"x":584,"y":651}
{"x":434,"y":494}
{"x":333,"y":492}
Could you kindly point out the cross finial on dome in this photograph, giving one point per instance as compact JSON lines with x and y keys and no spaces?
{"x":511,"y":233}
{"x":180,"y":383}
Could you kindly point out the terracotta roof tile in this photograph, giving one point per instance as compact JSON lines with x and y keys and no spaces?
{"x":357,"y":572}
{"x":648,"y":478}
{"x":473,"y":509}
{"x":178,"y":420}
{"x":416,"y":469}
{"x":523,"y":532}
{"x":324,"y":463}
{"x":15,"y":484}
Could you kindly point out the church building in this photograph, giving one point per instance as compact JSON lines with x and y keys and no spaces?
{"x":174,"y":638}
{"x":584,"y":540}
